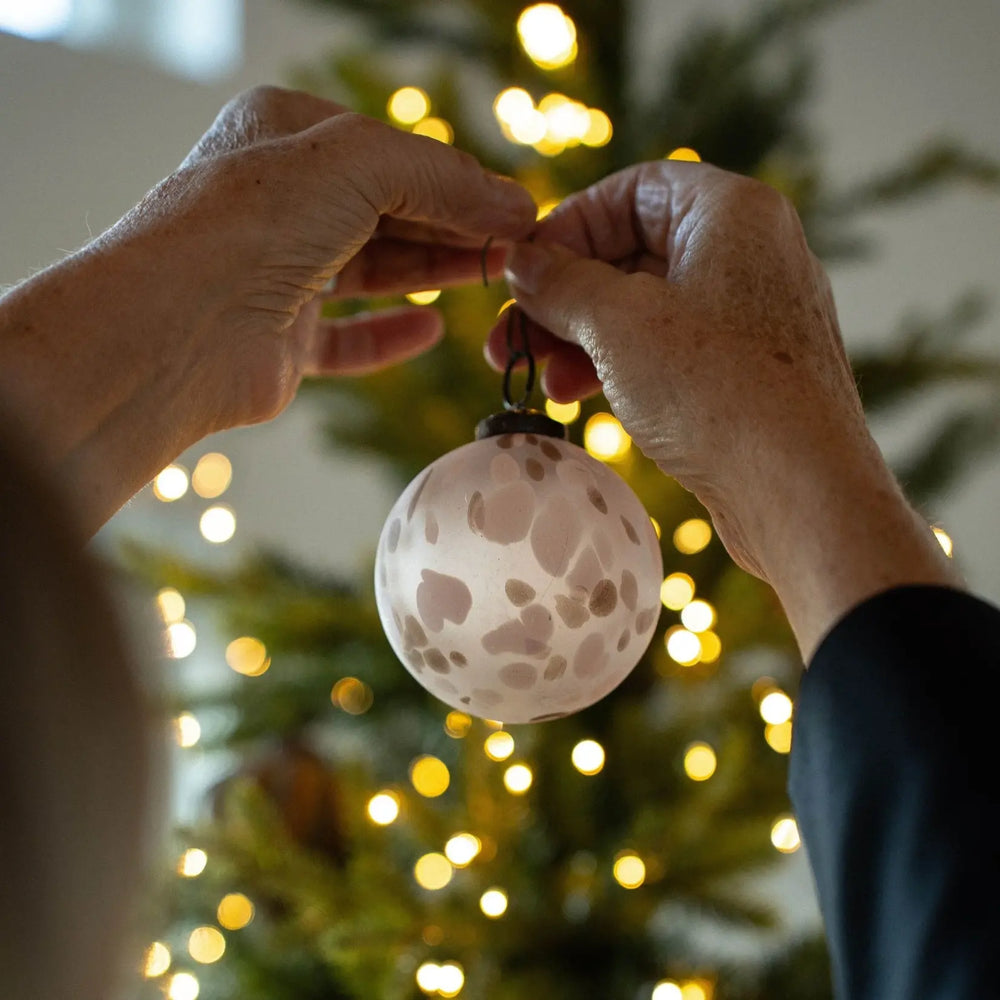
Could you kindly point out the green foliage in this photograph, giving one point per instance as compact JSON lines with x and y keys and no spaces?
{"x":339,"y":914}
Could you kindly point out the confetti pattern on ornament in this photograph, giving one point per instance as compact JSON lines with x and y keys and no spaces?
{"x":517,"y":578}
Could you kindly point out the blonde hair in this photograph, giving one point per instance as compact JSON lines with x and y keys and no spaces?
{"x":73,"y":753}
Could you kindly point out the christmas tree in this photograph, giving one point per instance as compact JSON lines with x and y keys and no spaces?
{"x":372,"y":843}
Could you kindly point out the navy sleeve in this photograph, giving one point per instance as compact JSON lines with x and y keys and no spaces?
{"x":894,"y":779}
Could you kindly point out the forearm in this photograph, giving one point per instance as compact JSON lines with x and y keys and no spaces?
{"x":88,"y":368}
{"x":831,"y":528}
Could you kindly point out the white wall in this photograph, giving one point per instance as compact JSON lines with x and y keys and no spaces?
{"x":83,"y":135}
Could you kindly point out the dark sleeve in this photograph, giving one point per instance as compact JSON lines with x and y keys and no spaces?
{"x":894,"y":781}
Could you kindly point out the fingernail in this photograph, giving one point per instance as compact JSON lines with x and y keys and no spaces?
{"x":527,"y":264}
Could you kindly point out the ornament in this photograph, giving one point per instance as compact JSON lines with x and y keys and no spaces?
{"x":517,"y":578}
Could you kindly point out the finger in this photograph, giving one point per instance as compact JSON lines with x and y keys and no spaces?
{"x":570,"y":375}
{"x":419,"y":179}
{"x":580,"y":300}
{"x":259,"y":114}
{"x":368,"y":342}
{"x":389,"y":267}
{"x":541,"y":342}
{"x":634,"y":211}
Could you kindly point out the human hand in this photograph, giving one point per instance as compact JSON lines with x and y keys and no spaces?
{"x":689,"y":295}
{"x":201,"y":309}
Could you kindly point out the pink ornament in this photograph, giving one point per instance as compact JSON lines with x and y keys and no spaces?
{"x":518,"y":579}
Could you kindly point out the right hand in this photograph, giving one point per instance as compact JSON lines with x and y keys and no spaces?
{"x":689,"y":295}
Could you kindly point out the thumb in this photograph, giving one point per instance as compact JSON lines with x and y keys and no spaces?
{"x":579,"y":299}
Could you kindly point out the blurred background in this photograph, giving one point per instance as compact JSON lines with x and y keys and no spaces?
{"x":290,"y":716}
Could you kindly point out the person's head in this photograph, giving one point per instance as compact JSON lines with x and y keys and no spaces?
{"x":73,"y":752}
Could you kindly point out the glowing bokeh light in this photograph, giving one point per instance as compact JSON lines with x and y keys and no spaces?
{"x":629,"y":870}
{"x":383,"y":808}
{"x":156,"y":960}
{"x":692,"y":536}
{"x":599,"y":129}
{"x":785,"y":835}
{"x":462,"y":849}
{"x":408,"y":105}
{"x":235,"y":911}
{"x":248,"y":656}
{"x":499,"y":745}
{"x":684,"y":153}
{"x":698,"y":616}
{"x":676,"y":591}
{"x":565,"y":413}
{"x":171,"y":605}
{"x":699,"y":762}
{"x":548,"y":36}
{"x":181,"y":639}
{"x":192,"y":862}
{"x":711,"y":646}
{"x":517,"y":779}
{"x":217,"y":524}
{"x":605,"y":438}
{"x":212,"y":475}
{"x":457,"y":724}
{"x":776,"y":707}
{"x":667,"y":989}
{"x":512,"y":104}
{"x":944,"y":540}
{"x":683,"y":647}
{"x":206,"y":945}
{"x":171,"y":484}
{"x":352,"y":696}
{"x":451,"y":979}
{"x":187,"y":730}
{"x":183,"y":986}
{"x":433,"y":871}
{"x":493,"y":903}
{"x":435,"y":128}
{"x":779,"y":737}
{"x":424,"y":298}
{"x":430,"y":776}
{"x":588,"y":757}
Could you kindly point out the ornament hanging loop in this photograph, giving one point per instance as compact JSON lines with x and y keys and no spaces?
{"x":516,"y":351}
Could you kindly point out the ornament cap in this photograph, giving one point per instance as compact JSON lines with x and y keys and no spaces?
{"x":520,"y":421}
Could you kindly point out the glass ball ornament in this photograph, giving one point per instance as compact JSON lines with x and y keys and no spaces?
{"x":517,"y":578}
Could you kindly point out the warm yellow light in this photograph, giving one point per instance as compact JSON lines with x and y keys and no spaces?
{"x":699,"y":762}
{"x":588,"y":757}
{"x":711,"y":647}
{"x":776,"y":707}
{"x":512,"y":104}
{"x":352,"y":696}
{"x":565,"y":413}
{"x":187,"y":730}
{"x":693,"y":991}
{"x":206,"y":945}
{"x":656,"y":527}
{"x":667,"y":989}
{"x":566,"y":121}
{"x":517,"y":779}
{"x":430,"y":776}
{"x":499,"y":745}
{"x":192,"y":862}
{"x":156,"y":960}
{"x":181,"y":639}
{"x":408,"y":105}
{"x":599,"y":129}
{"x":212,"y":475}
{"x":684,"y":153}
{"x":493,"y":903}
{"x":779,"y":737}
{"x":433,"y":871}
{"x":457,"y":724}
{"x":605,"y":438}
{"x":549,"y":147}
{"x":528,"y":128}
{"x":428,"y":976}
{"x":171,"y":605}
{"x":676,"y":591}
{"x":944,"y":540}
{"x":548,"y":36}
{"x":692,"y":536}
{"x":235,"y":911}
{"x":629,"y":870}
{"x":248,"y":656}
{"x":218,"y":524}
{"x":435,"y":128}
{"x":683,"y":647}
{"x":698,"y":616}
{"x":171,"y":484}
{"x":424,"y":298}
{"x":383,"y":808}
{"x":544,"y":209}
{"x":183,"y":986}
{"x":451,"y":979}
{"x":462,"y":849}
{"x":785,"y":835}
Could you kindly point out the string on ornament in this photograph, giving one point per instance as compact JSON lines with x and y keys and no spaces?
{"x":515,"y":353}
